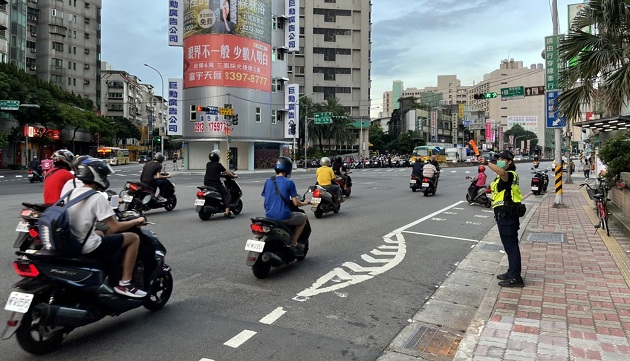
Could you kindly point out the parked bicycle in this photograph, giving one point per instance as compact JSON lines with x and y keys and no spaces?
{"x":599,"y":195}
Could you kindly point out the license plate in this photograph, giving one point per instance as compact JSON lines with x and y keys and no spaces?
{"x":22,"y":227}
{"x":30,"y":176}
{"x":316,"y":200}
{"x":413,"y":181}
{"x":254,"y":245}
{"x":534,"y":188}
{"x":425,"y":184}
{"x":200,"y":202}
{"x":19,"y":302}
{"x":127,"y":198}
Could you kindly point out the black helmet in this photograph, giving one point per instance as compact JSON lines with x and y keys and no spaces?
{"x":283,"y":164}
{"x":215,"y":155}
{"x":80,"y":160}
{"x":63,"y":158}
{"x":338,"y":159}
{"x":95,"y":171}
{"x":159,"y":157}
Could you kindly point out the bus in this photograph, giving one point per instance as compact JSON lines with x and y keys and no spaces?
{"x":423,"y":153}
{"x":113,"y":155}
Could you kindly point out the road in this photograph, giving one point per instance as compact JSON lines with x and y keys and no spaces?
{"x":369,"y":269}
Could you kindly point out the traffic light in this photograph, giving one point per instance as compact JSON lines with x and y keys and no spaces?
{"x":203,"y":109}
{"x":235,"y":119}
{"x":484,"y":95}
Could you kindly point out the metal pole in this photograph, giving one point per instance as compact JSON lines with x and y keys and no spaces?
{"x":305,"y":142}
{"x":557,"y":132}
{"x":161,"y":101}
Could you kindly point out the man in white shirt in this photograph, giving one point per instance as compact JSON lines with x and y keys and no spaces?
{"x":429,"y":170}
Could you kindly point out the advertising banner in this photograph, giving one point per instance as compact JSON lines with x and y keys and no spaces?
{"x":175,"y":25}
{"x":528,"y":122}
{"x":291,"y":103}
{"x":292,"y":40}
{"x":175,"y":122}
{"x":489,"y":131}
{"x":434,"y":126}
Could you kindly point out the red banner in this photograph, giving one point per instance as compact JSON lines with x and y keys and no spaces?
{"x":40,"y":132}
{"x":226,"y":60}
{"x":489,"y":131}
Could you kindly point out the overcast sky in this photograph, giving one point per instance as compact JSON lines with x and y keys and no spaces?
{"x":412,"y":40}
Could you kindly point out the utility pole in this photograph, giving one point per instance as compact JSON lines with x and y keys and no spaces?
{"x":558,"y":202}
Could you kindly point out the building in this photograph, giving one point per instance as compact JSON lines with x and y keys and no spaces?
{"x":56,"y":40}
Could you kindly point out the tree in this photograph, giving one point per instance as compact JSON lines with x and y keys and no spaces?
{"x":599,"y":41}
{"x":124,"y":129}
{"x":519,"y":132}
{"x":616,"y":155}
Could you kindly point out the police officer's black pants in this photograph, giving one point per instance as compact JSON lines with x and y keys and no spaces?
{"x":508,"y":231}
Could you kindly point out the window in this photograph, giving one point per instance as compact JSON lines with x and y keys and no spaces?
{"x":330,"y":1}
{"x":57,"y":46}
{"x":274,"y":115}
{"x":87,"y":36}
{"x":70,"y":65}
{"x":274,"y":22}
{"x":69,"y":49}
{"x":74,"y":50}
{"x":69,"y":81}
{"x":273,"y":54}
{"x":87,"y":20}
{"x":274,"y":86}
{"x":115,"y":95}
{"x":258,"y":111}
{"x":57,"y":79}
{"x":74,"y":34}
{"x":74,"y":66}
{"x":74,"y":81}
{"x":280,"y":54}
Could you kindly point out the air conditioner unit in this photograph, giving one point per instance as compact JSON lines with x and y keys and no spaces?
{"x":86,"y":66}
{"x":87,"y":51}
{"x":33,"y":34}
{"x":33,"y":50}
{"x":87,"y":20}
{"x":86,"y":82}
{"x":33,"y":67}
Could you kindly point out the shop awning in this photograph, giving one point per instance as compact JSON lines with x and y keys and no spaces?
{"x":619,"y":122}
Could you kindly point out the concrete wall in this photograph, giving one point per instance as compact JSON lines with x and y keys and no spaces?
{"x":621,"y":198}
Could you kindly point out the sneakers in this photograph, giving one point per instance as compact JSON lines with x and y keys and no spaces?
{"x":127,"y":289}
{"x":502,"y":277}
{"x":297,"y":250}
{"x":229,"y":215}
{"x":160,"y":199}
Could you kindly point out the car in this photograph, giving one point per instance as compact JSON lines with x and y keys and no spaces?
{"x":518,"y":157}
{"x":525,"y":157}
{"x":142,"y":159}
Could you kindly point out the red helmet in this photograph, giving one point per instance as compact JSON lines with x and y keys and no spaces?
{"x":482,"y":169}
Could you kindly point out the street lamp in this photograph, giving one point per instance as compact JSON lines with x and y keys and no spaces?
{"x":515,"y":139}
{"x":162,"y":101}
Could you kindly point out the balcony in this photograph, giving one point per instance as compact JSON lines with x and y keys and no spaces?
{"x":4,"y":46}
{"x":4,"y":21}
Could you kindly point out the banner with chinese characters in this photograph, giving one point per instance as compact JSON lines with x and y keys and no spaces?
{"x":489,"y":135}
{"x":292,"y":32}
{"x":174,"y":126}
{"x":434,"y":126}
{"x":291,"y":103}
{"x":528,"y":122}
{"x":175,"y":25}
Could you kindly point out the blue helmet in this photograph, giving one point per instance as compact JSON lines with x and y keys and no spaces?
{"x":283,"y":164}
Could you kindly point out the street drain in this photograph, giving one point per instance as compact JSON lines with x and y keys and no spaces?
{"x":492,"y":247}
{"x":433,"y":341}
{"x":546,"y":237}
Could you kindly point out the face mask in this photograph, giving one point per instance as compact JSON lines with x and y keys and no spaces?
{"x":501,"y":164}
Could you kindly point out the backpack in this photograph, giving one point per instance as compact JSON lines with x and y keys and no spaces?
{"x":54,"y":226}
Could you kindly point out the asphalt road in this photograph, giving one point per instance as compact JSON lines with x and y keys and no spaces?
{"x":368,"y":271}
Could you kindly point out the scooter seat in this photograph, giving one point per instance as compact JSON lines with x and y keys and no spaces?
{"x":40,"y":207}
{"x":148,"y":187}
{"x":272,"y":222}
{"x":50,"y":255}
{"x":206,"y":188}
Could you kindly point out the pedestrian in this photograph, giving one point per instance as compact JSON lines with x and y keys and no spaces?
{"x":507,"y":206}
{"x":587,"y":169}
{"x":175,"y":161}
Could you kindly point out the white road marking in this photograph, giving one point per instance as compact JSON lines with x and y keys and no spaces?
{"x":481,"y":216}
{"x":450,"y":212}
{"x":487,"y":211}
{"x":273,"y":316}
{"x":443,"y":236}
{"x":240,"y":339}
{"x":438,"y":219}
{"x":473,"y":223}
{"x":206,"y":359}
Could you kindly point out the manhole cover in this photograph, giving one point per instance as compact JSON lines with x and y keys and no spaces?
{"x":492,"y":247}
{"x":433,"y":341}
{"x":546,"y":237}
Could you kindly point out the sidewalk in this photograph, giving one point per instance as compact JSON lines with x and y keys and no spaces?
{"x":575,"y":304}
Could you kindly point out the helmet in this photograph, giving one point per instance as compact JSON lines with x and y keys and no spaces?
{"x":283,"y":164}
{"x":215,"y":155}
{"x":338,"y":159}
{"x":34,"y":157}
{"x":63,"y":158}
{"x":325,"y":161}
{"x":482,"y":169}
{"x":79,"y":160}
{"x":159,"y":157}
{"x":95,"y":171}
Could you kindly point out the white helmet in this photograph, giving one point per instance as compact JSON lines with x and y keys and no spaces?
{"x":325,"y":161}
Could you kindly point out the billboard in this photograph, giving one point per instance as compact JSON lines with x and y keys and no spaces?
{"x":174,"y":126}
{"x":175,"y":26}
{"x":528,"y":122}
{"x":292,"y":40}
{"x":291,"y":103}
{"x":227,"y":43}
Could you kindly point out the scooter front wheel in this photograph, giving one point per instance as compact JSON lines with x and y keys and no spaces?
{"x":238,"y":208}
{"x":160,"y":291}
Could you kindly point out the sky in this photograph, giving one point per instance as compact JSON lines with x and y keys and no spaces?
{"x":412,"y":40}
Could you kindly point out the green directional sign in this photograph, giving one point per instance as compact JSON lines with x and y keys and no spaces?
{"x":9,"y":104}
{"x":513,"y":92}
{"x":323,"y":118}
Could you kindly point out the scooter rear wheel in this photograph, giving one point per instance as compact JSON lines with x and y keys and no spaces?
{"x":203,"y":215}
{"x":301,"y":258}
{"x":261,"y":269}
{"x":35,"y":338}
{"x":318,"y":213}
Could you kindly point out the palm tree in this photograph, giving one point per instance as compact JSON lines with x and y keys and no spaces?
{"x":603,"y":58}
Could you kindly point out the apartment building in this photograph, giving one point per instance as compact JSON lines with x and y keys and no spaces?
{"x":448,"y":86}
{"x":5,"y":24}
{"x":334,"y":58}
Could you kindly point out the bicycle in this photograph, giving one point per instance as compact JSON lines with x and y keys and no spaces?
{"x":600,"y":196}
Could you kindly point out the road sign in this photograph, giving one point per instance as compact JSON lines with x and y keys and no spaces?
{"x":514,"y":92}
{"x":552,"y":69}
{"x":323,"y":118}
{"x":553,"y":118}
{"x":9,"y":104}
{"x":535,"y":90}
{"x":226,"y":111}
{"x":213,"y":110}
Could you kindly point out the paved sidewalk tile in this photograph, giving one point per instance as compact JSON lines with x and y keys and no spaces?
{"x":576,"y":301}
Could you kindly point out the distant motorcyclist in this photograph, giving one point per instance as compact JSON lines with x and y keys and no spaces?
{"x":35,"y":164}
{"x":57,"y":177}
{"x":480,"y":181}
{"x":214,"y":171}
{"x":429,"y":171}
{"x":152,"y":175}
{"x":326,"y":178}
{"x":536,"y":162}
{"x":437,"y":168}
{"x":340,"y":170}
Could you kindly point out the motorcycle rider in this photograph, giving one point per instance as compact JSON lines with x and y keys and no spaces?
{"x":437,"y":168}
{"x":152,"y":175}
{"x":214,"y":171}
{"x":35,"y":164}
{"x":536,"y":162}
{"x":430,"y":171}
{"x":84,"y":214}
{"x":326,"y":178}
{"x":57,"y":177}
{"x":340,"y":170}
{"x":417,"y":168}
{"x":277,"y":204}
{"x":480,"y":181}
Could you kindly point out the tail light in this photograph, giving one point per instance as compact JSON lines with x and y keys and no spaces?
{"x":30,"y":171}
{"x":316,"y":193}
{"x":200,"y":194}
{"x":26,"y":213}
{"x":25,"y":269}
{"x":33,"y":232}
{"x":413,"y":176}
{"x":259,"y":228}
{"x":488,"y":190}
{"x":535,"y":180}
{"x":134,"y":187}
{"x":425,"y":180}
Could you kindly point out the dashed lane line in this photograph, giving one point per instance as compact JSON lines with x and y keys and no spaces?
{"x":273,"y":316}
{"x":240,"y":339}
{"x":443,"y":236}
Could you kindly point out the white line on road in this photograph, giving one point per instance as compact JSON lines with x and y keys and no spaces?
{"x":273,"y":316}
{"x":442,"y":236}
{"x":240,"y":339}
{"x":206,"y":359}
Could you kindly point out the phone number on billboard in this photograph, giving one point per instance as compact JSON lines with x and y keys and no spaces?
{"x":253,"y":30}
{"x":245,"y":77}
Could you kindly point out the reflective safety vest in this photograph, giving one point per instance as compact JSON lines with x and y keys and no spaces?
{"x":498,"y":197}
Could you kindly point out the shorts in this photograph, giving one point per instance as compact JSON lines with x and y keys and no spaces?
{"x":296,"y":219}
{"x":110,"y":245}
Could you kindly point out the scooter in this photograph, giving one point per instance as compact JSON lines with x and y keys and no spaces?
{"x":322,"y":201}
{"x":540,"y":181}
{"x":140,"y":197}
{"x":270,"y":246}
{"x":209,"y":200}
{"x":346,"y":189}
{"x":414,"y":182}
{"x":483,"y":194}
{"x":59,"y":293}
{"x":429,"y":185}
{"x":35,"y":175}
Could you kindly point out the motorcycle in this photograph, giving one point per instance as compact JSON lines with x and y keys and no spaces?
{"x":209,"y":200}
{"x":346,"y":189}
{"x":35,"y":175}
{"x":483,"y":194}
{"x":140,"y":197}
{"x":322,"y":201}
{"x":58,"y":293}
{"x":540,"y":181}
{"x":270,"y":246}
{"x":429,"y":185}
